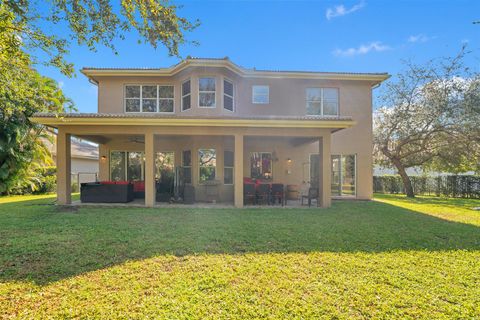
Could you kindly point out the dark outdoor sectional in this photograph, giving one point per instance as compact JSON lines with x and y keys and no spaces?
{"x":106,"y":192}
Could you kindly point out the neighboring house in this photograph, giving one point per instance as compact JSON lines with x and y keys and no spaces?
{"x":84,"y":158}
{"x":415,"y":171}
{"x":221,"y":124}
{"x":381,"y":171}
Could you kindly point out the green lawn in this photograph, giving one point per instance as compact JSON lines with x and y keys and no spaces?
{"x":392,"y":258}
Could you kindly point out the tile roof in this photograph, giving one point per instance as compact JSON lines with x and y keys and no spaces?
{"x":227,"y":61}
{"x":79,"y":148}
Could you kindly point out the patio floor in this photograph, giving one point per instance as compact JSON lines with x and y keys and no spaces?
{"x":139,"y":203}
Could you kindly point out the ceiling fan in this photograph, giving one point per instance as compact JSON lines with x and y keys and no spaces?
{"x":136,"y":140}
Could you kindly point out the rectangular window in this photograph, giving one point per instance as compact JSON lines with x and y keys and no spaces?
{"x":322,"y":101}
{"x":117,"y":166}
{"x":186,"y":95}
{"x":132,"y":98}
{"x":261,"y":165}
{"x":261,"y":94}
{"x":164,"y":165}
{"x":149,"y":98}
{"x":135,"y":165}
{"x":336,"y":176}
{"x":343,"y":174}
{"x":165,"y":98}
{"x":206,"y":92}
{"x":187,"y":166}
{"x":127,"y":166}
{"x":164,"y":174}
{"x":314,"y":169}
{"x":228,"y":92}
{"x":207,"y":162}
{"x":348,"y":171}
{"x":228,"y":161}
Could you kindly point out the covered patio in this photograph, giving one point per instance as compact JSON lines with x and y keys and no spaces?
{"x":215,"y":157}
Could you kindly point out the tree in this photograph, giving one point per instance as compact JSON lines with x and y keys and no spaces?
{"x":431,"y":119}
{"x":93,"y":23}
{"x":23,"y":91}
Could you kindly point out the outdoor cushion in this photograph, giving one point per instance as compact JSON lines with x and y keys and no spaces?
{"x":139,"y":186}
{"x":107,"y":182}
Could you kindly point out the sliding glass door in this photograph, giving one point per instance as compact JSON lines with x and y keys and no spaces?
{"x":343,"y":181}
{"x":127,"y":166}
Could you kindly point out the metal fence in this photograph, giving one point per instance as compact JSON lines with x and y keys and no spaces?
{"x":81,"y":177}
{"x":461,"y":186}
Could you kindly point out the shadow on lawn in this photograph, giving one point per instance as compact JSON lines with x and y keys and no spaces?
{"x":433,"y":200}
{"x":37,"y":243}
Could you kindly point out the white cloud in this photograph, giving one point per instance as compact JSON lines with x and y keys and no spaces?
{"x":376,"y":46}
{"x":340,"y":10}
{"x":420,"y":38}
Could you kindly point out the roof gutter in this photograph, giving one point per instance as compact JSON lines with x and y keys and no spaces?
{"x":194,"y":122}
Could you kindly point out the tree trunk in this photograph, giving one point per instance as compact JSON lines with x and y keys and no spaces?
{"x":407,"y":183}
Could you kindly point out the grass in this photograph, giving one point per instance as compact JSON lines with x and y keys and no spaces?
{"x":391,"y":258}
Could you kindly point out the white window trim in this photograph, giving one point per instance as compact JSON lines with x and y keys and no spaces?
{"x":199,"y":166}
{"x":321,"y":102}
{"x":125,"y":97}
{"x":214,"y":92}
{"x":158,"y":98}
{"x":268,"y":94}
{"x":141,"y":97}
{"x":190,"y":166}
{"x":225,"y":94}
{"x":271,"y":158}
{"x":233,"y":167}
{"x":183,"y":96}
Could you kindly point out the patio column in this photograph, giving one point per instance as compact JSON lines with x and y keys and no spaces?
{"x":149,"y":169}
{"x":238,"y":177}
{"x":64,"y":177}
{"x":324,"y":172}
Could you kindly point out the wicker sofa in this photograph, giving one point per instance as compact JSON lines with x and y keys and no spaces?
{"x":107,"y":192}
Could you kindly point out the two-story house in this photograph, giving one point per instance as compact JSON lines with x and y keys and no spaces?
{"x":212,"y":122}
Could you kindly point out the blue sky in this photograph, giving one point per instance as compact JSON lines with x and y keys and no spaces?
{"x":356,"y":36}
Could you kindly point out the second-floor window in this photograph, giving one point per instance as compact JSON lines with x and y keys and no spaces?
{"x":165,"y":98}
{"x":228,"y":94}
{"x":206,"y":92}
{"x":149,"y":98}
{"x":322,"y":101}
{"x":186,"y":95}
{"x":261,"y":94}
